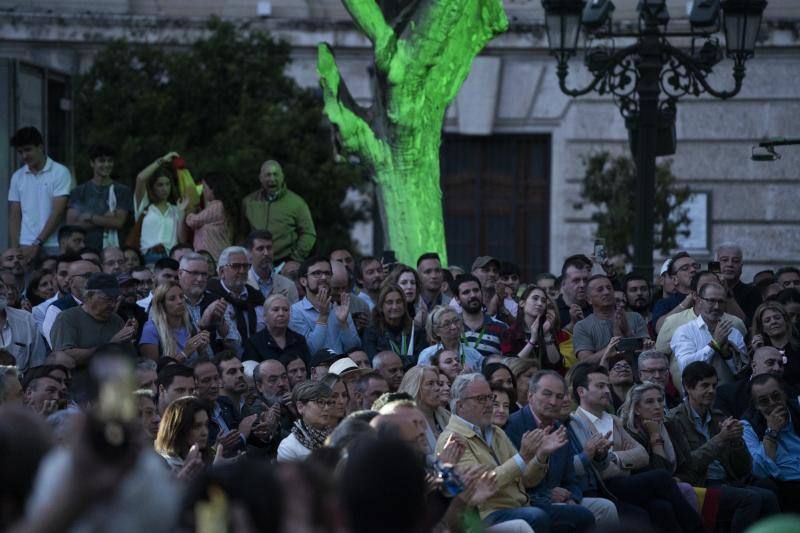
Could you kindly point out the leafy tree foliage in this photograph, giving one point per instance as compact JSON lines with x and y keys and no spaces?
{"x":226,"y":105}
{"x":610,"y":184}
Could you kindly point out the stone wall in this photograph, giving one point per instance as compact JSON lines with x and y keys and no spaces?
{"x":513,"y":89}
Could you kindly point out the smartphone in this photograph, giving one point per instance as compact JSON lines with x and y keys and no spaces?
{"x":714,"y":266}
{"x":600,"y":250}
{"x":630,"y":344}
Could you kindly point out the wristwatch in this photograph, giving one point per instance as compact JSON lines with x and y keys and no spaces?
{"x":771,"y":433}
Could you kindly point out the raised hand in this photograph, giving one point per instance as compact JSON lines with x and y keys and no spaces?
{"x":778,"y":418}
{"x":324,"y":299}
{"x":341,"y":309}
{"x":575,"y":314}
{"x":452,"y":450}
{"x":722,"y":331}
{"x":553,"y":441}
{"x":192,"y":465}
{"x":550,"y":318}
{"x":531,"y":443}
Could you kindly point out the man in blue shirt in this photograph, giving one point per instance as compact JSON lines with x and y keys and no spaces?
{"x":772,"y":435}
{"x":311,"y":316}
{"x":681,"y":269}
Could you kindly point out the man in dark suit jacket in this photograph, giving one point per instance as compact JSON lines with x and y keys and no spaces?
{"x":733,"y":399}
{"x":545,"y":398}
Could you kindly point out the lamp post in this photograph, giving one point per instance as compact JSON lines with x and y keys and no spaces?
{"x":648,"y":77}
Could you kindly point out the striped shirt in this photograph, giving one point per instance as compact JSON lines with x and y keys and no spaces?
{"x":485,"y":339}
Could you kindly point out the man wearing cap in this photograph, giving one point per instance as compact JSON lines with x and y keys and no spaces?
{"x":128,"y":308}
{"x":487,"y":270}
{"x":80,"y":330}
{"x":321,"y":362}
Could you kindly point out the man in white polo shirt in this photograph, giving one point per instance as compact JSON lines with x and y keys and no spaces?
{"x":37,"y":196}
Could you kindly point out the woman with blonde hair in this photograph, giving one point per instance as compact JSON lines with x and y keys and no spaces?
{"x":445,"y":329}
{"x":422,"y":383}
{"x":169,"y":331}
{"x":772,"y":326}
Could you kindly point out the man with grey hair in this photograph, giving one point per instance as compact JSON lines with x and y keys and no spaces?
{"x":206,"y":311}
{"x":486,"y":445}
{"x":653,"y":367}
{"x":559,"y":494}
{"x":246,"y":308}
{"x":745,"y":295}
{"x":390,"y":367}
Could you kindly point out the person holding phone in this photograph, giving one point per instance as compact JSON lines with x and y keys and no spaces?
{"x":596,"y":336}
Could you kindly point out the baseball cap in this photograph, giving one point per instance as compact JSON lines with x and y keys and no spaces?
{"x":665,"y":266}
{"x":484,"y":260}
{"x":324,"y":357}
{"x":105,"y":283}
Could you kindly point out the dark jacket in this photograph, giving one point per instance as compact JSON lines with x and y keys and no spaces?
{"x":262,"y":346}
{"x":374,"y":341}
{"x":241,"y":307}
{"x":560,"y":472}
{"x":733,"y":399}
{"x":694,"y":453}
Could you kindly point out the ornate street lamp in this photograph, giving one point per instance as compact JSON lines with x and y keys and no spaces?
{"x":648,"y":77}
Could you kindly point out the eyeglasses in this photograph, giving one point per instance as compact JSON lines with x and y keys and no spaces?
{"x":766,"y":401}
{"x":322,"y":404}
{"x":450,"y":323}
{"x":483,"y":398}
{"x":651,"y":371}
{"x":713,"y":301}
{"x":196,"y":273}
{"x":239,"y":266}
{"x":622,"y":365}
{"x":320,"y":273}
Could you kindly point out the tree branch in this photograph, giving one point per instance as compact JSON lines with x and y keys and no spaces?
{"x":350,"y":119}
{"x":369,"y":18}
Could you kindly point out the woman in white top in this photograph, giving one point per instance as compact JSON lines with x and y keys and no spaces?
{"x":156,"y":197}
{"x":314,"y":404}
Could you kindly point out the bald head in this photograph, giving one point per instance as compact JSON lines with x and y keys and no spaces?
{"x":767,"y":360}
{"x":405,"y":423}
{"x":271,"y":178}
{"x":340,"y":277}
{"x":390,"y":367}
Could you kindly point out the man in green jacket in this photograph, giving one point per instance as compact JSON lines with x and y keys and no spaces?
{"x":280,"y":211}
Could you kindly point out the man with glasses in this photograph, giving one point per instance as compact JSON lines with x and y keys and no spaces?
{"x":681,"y":269}
{"x":78,"y":273}
{"x":79,"y":331}
{"x":711,"y":337}
{"x":734,"y":398}
{"x":206,"y":311}
{"x":246,"y":308}
{"x":772,"y":435}
{"x":653,"y":367}
{"x":486,"y":445}
{"x":113,"y":260}
{"x":325,"y":324}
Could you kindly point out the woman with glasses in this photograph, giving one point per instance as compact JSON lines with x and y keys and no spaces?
{"x":445,"y":330}
{"x":169,"y":332}
{"x":536,"y":334}
{"x":772,"y":326}
{"x":276,"y":340}
{"x":314,"y":404}
{"x":392,"y":328}
{"x":620,"y":377}
{"x":422,"y":383}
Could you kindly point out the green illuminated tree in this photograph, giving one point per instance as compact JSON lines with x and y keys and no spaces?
{"x":423,"y":52}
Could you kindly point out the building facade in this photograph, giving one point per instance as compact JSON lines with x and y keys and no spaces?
{"x":513,"y":143}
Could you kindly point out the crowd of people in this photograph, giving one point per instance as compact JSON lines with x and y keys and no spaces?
{"x":205,"y":379}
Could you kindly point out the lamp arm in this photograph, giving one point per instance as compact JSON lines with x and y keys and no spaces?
{"x":700,"y":74}
{"x":601,"y":74}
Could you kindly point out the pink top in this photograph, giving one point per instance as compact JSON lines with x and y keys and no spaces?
{"x":210,"y":229}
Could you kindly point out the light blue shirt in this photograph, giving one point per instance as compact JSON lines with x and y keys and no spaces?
{"x":786,"y":465}
{"x":487,"y":436}
{"x":471,"y":359}
{"x":329,"y":336}
{"x":364,"y":296}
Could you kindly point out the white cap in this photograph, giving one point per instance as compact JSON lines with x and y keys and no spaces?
{"x":343,"y":366}
{"x":665,"y":266}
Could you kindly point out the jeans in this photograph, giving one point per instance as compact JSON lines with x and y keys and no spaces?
{"x":656,"y":493}
{"x":551,"y":517}
{"x":744,"y":505}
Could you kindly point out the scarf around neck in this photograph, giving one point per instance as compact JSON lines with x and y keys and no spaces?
{"x":309,"y":437}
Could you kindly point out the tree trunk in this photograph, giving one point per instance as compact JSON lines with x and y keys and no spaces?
{"x":421,"y":60}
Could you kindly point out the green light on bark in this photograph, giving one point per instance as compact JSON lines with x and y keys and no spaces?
{"x":420,"y":63}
